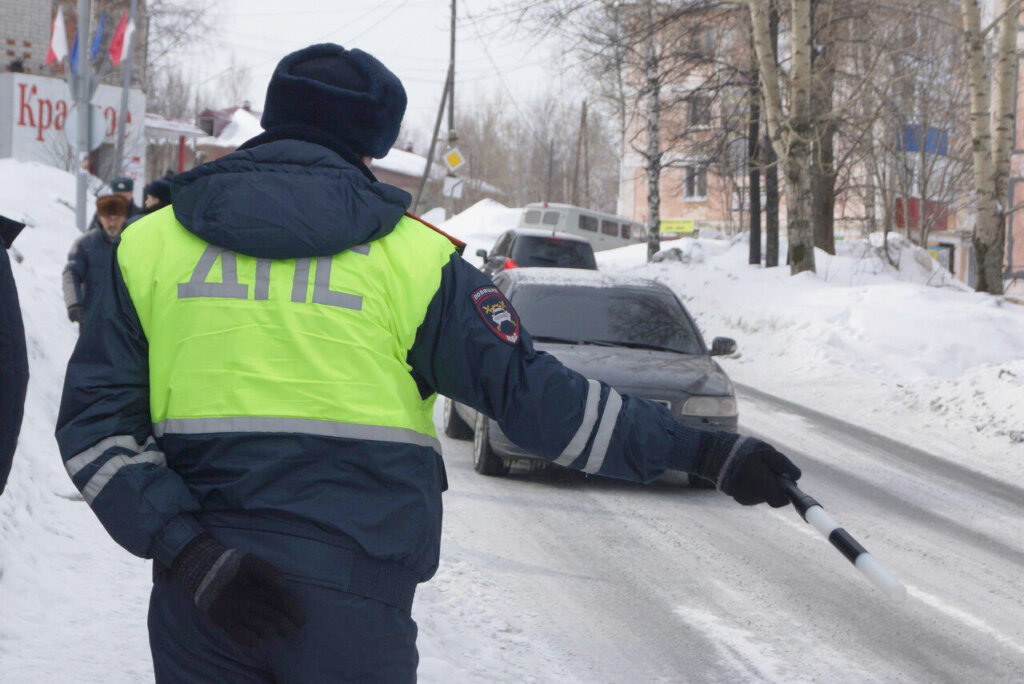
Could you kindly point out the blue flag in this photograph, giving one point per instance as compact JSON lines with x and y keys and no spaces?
{"x":97,"y":39}
{"x":73,"y":58}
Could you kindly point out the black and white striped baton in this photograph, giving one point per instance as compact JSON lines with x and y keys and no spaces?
{"x":815,"y":515}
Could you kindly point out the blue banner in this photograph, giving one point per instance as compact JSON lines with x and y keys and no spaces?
{"x":98,"y":38}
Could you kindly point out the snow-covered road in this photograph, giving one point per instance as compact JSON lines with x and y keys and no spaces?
{"x":557,"y":578}
{"x":571,"y":579}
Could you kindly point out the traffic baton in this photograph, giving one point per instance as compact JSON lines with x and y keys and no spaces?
{"x":812,"y":512}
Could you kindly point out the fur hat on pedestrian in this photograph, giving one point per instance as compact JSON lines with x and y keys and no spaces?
{"x":112,"y":205}
{"x":347,"y":95}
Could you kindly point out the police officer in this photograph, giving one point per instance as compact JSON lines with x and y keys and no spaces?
{"x":13,"y":355}
{"x":255,"y":411}
{"x":89,"y":259}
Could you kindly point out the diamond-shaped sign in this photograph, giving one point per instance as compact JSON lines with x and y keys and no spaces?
{"x":453,"y":159}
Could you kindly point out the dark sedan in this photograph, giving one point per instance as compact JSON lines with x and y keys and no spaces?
{"x":631,"y":333}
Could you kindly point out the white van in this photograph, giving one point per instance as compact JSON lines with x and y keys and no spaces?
{"x":602,"y":231}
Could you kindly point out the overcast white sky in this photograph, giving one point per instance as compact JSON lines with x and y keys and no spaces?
{"x":410,"y":36}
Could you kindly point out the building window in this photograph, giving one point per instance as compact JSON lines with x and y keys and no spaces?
{"x":702,"y":43}
{"x":696,"y":187}
{"x":700,"y":111}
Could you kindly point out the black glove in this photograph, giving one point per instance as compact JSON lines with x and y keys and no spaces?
{"x":241,"y":593}
{"x":745,"y":468}
{"x":76,"y":313}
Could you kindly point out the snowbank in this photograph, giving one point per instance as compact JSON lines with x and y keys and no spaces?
{"x":59,"y":570}
{"x":480,"y":225}
{"x":903,"y":350}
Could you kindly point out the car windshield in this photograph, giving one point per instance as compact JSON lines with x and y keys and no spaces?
{"x":532,"y":250}
{"x":643,"y":319}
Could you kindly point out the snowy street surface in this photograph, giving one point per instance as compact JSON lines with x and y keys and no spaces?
{"x":580,"y":580}
{"x":902,"y":401}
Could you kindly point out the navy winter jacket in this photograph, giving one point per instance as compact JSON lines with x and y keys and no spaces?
{"x":87,"y":269}
{"x":155,"y":490}
{"x":13,"y":357}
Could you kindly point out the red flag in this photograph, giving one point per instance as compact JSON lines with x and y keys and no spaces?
{"x":58,"y":39}
{"x":117,"y":43}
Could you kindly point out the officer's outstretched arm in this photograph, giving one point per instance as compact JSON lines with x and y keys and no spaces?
{"x":468,"y":350}
{"x":105,"y":434}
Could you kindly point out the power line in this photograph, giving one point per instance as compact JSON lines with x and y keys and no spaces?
{"x":497,"y":71}
{"x":372,"y":26}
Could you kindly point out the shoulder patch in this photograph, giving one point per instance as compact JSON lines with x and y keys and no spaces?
{"x":460,"y":246}
{"x":497,"y":313}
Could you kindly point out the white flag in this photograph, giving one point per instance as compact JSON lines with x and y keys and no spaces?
{"x":58,"y":39}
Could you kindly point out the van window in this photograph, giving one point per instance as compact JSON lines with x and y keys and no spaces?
{"x":550,"y":218}
{"x":610,"y":228}
{"x":625,"y":230}
{"x":532,"y":216}
{"x":588,"y":223}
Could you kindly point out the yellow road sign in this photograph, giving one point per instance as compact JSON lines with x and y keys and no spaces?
{"x":453,"y":159}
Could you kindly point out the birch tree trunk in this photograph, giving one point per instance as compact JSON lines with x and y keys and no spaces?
{"x":653,"y":156}
{"x":991,"y":149}
{"x":791,"y":135}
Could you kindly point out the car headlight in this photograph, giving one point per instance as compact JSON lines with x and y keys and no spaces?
{"x":710,"y":407}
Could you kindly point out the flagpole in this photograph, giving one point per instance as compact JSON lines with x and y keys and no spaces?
{"x":82,"y":94}
{"x":123,"y":117}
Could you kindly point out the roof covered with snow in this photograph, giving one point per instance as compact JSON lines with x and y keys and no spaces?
{"x":159,"y":127}
{"x":579,"y":277}
{"x":244,"y":125}
{"x":407,"y":164}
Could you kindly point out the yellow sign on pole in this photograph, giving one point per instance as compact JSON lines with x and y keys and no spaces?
{"x":678,"y":226}
{"x":453,"y":159}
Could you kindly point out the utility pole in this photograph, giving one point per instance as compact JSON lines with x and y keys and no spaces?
{"x":127,"y":83}
{"x":452,"y":136}
{"x":579,"y":144}
{"x":433,"y":140}
{"x":551,"y":168}
{"x":82,"y":93}
{"x":754,"y":166}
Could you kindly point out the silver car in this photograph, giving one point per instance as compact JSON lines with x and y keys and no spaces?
{"x":631,"y":333}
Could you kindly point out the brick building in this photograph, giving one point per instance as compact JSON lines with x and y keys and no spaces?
{"x":25,"y":27}
{"x":25,"y":34}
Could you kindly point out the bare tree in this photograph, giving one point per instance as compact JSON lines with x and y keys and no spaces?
{"x":791,"y":132}
{"x":991,"y":76}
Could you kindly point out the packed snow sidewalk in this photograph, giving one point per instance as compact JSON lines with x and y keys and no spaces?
{"x":907,"y":352}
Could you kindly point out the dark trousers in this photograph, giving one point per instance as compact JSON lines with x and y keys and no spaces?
{"x":347,"y":638}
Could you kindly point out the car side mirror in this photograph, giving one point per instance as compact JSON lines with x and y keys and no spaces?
{"x":723,"y":346}
{"x":482,"y":253}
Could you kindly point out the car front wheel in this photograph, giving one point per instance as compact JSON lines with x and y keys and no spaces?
{"x":485,"y":460}
{"x":454,"y":426}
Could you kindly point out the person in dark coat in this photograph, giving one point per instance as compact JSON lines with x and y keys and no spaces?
{"x":89,"y":259}
{"x":157,"y":196}
{"x":123,"y":187}
{"x":13,"y":356}
{"x":251,"y":402}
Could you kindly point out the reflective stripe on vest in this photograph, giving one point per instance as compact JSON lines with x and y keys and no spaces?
{"x":313,"y":346}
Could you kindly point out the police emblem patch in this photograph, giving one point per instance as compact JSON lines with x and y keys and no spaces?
{"x":497,"y":313}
